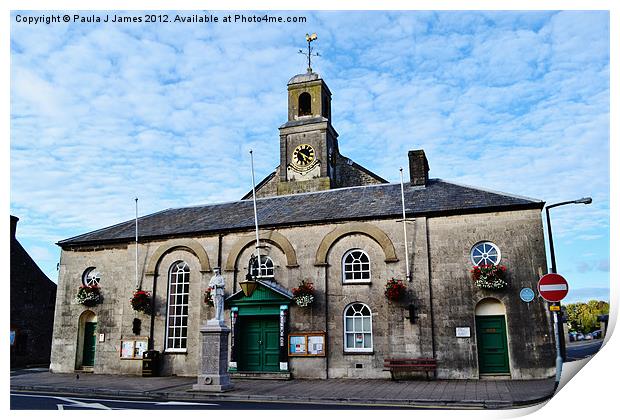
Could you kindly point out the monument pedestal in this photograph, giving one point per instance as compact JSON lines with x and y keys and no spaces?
{"x":213,"y":376}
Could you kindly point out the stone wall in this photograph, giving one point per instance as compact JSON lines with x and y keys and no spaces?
{"x":448,"y":241}
{"x":349,"y":174}
{"x":519,"y":236}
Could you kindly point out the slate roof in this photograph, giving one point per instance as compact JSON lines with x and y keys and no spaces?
{"x":269,"y":284}
{"x":355,"y":203}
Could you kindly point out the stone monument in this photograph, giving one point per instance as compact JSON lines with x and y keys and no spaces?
{"x":213,"y":375}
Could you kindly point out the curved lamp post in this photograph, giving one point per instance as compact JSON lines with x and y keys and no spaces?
{"x":559,"y":328}
{"x":585,"y":200}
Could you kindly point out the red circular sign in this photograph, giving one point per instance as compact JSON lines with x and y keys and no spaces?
{"x":552,"y":287}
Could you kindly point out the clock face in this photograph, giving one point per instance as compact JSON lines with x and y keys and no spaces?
{"x":303,"y":155}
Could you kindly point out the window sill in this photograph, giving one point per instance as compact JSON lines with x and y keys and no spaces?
{"x":173,"y":351}
{"x":358,"y":353}
{"x":344,"y":283}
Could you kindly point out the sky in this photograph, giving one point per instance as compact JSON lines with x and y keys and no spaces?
{"x":101,"y":113}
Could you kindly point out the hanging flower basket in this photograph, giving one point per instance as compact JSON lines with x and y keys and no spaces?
{"x":492,"y":277}
{"x":208,"y":298}
{"x":395,"y":289}
{"x":141,"y":302}
{"x":304,"y":294}
{"x":88,"y":296}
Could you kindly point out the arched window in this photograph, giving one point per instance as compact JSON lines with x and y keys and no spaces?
{"x":91,"y":277}
{"x":485,"y":253}
{"x":178,"y":299}
{"x":357,"y":328}
{"x":305,"y":104}
{"x":266,"y":267}
{"x":355,"y":266}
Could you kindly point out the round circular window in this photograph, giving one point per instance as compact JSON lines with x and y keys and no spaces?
{"x":91,"y":277}
{"x":485,"y":253}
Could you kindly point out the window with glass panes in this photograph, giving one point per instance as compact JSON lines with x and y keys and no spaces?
{"x":355,"y":266}
{"x":357,"y":328}
{"x":178,"y":299}
{"x":266,"y":267}
{"x":485,"y":253}
{"x":91,"y":277}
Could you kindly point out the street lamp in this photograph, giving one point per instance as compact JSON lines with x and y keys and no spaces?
{"x":585,"y":200}
{"x":559,"y":327}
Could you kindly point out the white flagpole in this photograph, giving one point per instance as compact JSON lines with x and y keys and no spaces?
{"x":402,"y":197}
{"x":255,"y":214}
{"x":137,"y":284}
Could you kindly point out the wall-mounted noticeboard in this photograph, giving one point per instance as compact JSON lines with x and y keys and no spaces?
{"x":307,"y":344}
{"x":134,"y":348}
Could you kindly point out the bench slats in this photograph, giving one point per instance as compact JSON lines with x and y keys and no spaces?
{"x":424,"y":364}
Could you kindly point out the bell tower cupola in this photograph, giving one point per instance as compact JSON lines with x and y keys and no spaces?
{"x":308,"y":97}
{"x":308,"y":142}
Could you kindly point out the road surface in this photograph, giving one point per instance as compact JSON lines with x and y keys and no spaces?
{"x":582,"y":349}
{"x":33,"y":401}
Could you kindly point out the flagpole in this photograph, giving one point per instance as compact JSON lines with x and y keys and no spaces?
{"x":137,"y":284}
{"x":255,"y":214}
{"x":402,"y":197}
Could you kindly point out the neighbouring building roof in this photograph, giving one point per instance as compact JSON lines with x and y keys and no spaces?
{"x":379,"y":201}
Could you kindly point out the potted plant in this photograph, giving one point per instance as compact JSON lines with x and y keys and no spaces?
{"x":141,"y":301}
{"x":304,"y":294}
{"x":492,"y":277}
{"x":395,"y":289}
{"x":88,"y":295}
{"x":208,"y":297}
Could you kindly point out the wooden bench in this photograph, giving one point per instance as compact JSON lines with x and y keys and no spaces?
{"x":406,"y":365}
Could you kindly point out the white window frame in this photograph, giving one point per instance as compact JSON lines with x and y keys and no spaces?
{"x":91,"y":277}
{"x":484,"y":250}
{"x":362,"y":330}
{"x":362,"y":271}
{"x":178,"y":269}
{"x":266,"y":265}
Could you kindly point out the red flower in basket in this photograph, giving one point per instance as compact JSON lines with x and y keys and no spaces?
{"x":141,"y":301}
{"x":395,"y":289}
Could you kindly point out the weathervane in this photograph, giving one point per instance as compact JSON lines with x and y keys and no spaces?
{"x":309,"y":39}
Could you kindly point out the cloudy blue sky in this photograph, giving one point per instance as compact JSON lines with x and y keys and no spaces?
{"x":510,"y":101}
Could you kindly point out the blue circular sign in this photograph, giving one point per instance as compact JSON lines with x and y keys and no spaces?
{"x":527,"y":294}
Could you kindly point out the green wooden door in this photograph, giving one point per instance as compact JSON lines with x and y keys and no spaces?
{"x":90,"y":342}
{"x":259,"y":341}
{"x":492,"y":344}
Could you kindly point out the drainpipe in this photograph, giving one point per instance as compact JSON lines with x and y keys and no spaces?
{"x":151,"y":332}
{"x":326,"y":326}
{"x":219,"y":250}
{"x":430,"y":288}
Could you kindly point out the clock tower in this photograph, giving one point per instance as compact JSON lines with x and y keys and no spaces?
{"x":308,"y":142}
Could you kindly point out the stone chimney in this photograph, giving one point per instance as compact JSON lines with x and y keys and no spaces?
{"x":14,"y":220}
{"x":418,"y":167}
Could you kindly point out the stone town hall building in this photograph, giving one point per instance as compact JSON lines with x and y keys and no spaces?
{"x":326,"y":220}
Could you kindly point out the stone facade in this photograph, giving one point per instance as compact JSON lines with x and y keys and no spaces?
{"x":447,"y":240}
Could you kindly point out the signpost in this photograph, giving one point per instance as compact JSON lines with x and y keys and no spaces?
{"x":553,"y":288}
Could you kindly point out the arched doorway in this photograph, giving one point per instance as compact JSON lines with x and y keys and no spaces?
{"x":87,"y":341}
{"x":491,"y":338}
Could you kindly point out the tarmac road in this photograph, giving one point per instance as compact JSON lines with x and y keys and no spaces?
{"x":31,"y":401}
{"x":582,"y":349}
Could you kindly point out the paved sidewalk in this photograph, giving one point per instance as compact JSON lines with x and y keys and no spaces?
{"x":438,"y":393}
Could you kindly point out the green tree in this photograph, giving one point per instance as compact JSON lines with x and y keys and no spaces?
{"x":583,"y":316}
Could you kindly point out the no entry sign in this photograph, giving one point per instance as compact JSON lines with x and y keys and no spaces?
{"x":552,"y":287}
